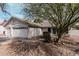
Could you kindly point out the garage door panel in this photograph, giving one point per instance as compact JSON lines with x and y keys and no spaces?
{"x":20,"y":33}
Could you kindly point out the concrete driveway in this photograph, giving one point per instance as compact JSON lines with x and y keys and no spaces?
{"x":3,"y":39}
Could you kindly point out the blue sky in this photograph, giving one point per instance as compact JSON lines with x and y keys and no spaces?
{"x":14,"y":10}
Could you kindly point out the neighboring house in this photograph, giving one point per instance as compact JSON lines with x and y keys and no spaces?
{"x":18,"y":28}
{"x":2,"y":29}
{"x":74,"y":30}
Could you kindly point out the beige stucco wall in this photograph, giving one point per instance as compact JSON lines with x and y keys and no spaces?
{"x":34,"y":32}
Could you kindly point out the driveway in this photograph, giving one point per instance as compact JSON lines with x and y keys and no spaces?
{"x":2,"y":39}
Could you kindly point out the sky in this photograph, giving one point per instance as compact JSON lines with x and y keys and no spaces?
{"x":14,"y":9}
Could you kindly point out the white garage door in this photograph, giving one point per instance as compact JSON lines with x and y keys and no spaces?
{"x":19,"y":33}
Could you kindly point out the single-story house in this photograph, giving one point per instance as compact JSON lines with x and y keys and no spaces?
{"x":74,"y":31}
{"x":18,"y":28}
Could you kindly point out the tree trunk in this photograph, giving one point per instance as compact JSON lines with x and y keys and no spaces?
{"x":58,"y":39}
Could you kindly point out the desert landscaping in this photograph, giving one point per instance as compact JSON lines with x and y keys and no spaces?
{"x":19,"y":47}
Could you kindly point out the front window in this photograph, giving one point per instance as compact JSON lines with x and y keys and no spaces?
{"x":54,"y":30}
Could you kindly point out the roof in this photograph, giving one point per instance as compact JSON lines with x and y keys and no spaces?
{"x":43,"y":24}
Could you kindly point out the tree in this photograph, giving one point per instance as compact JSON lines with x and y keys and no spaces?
{"x":3,"y":8}
{"x":62,"y":15}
